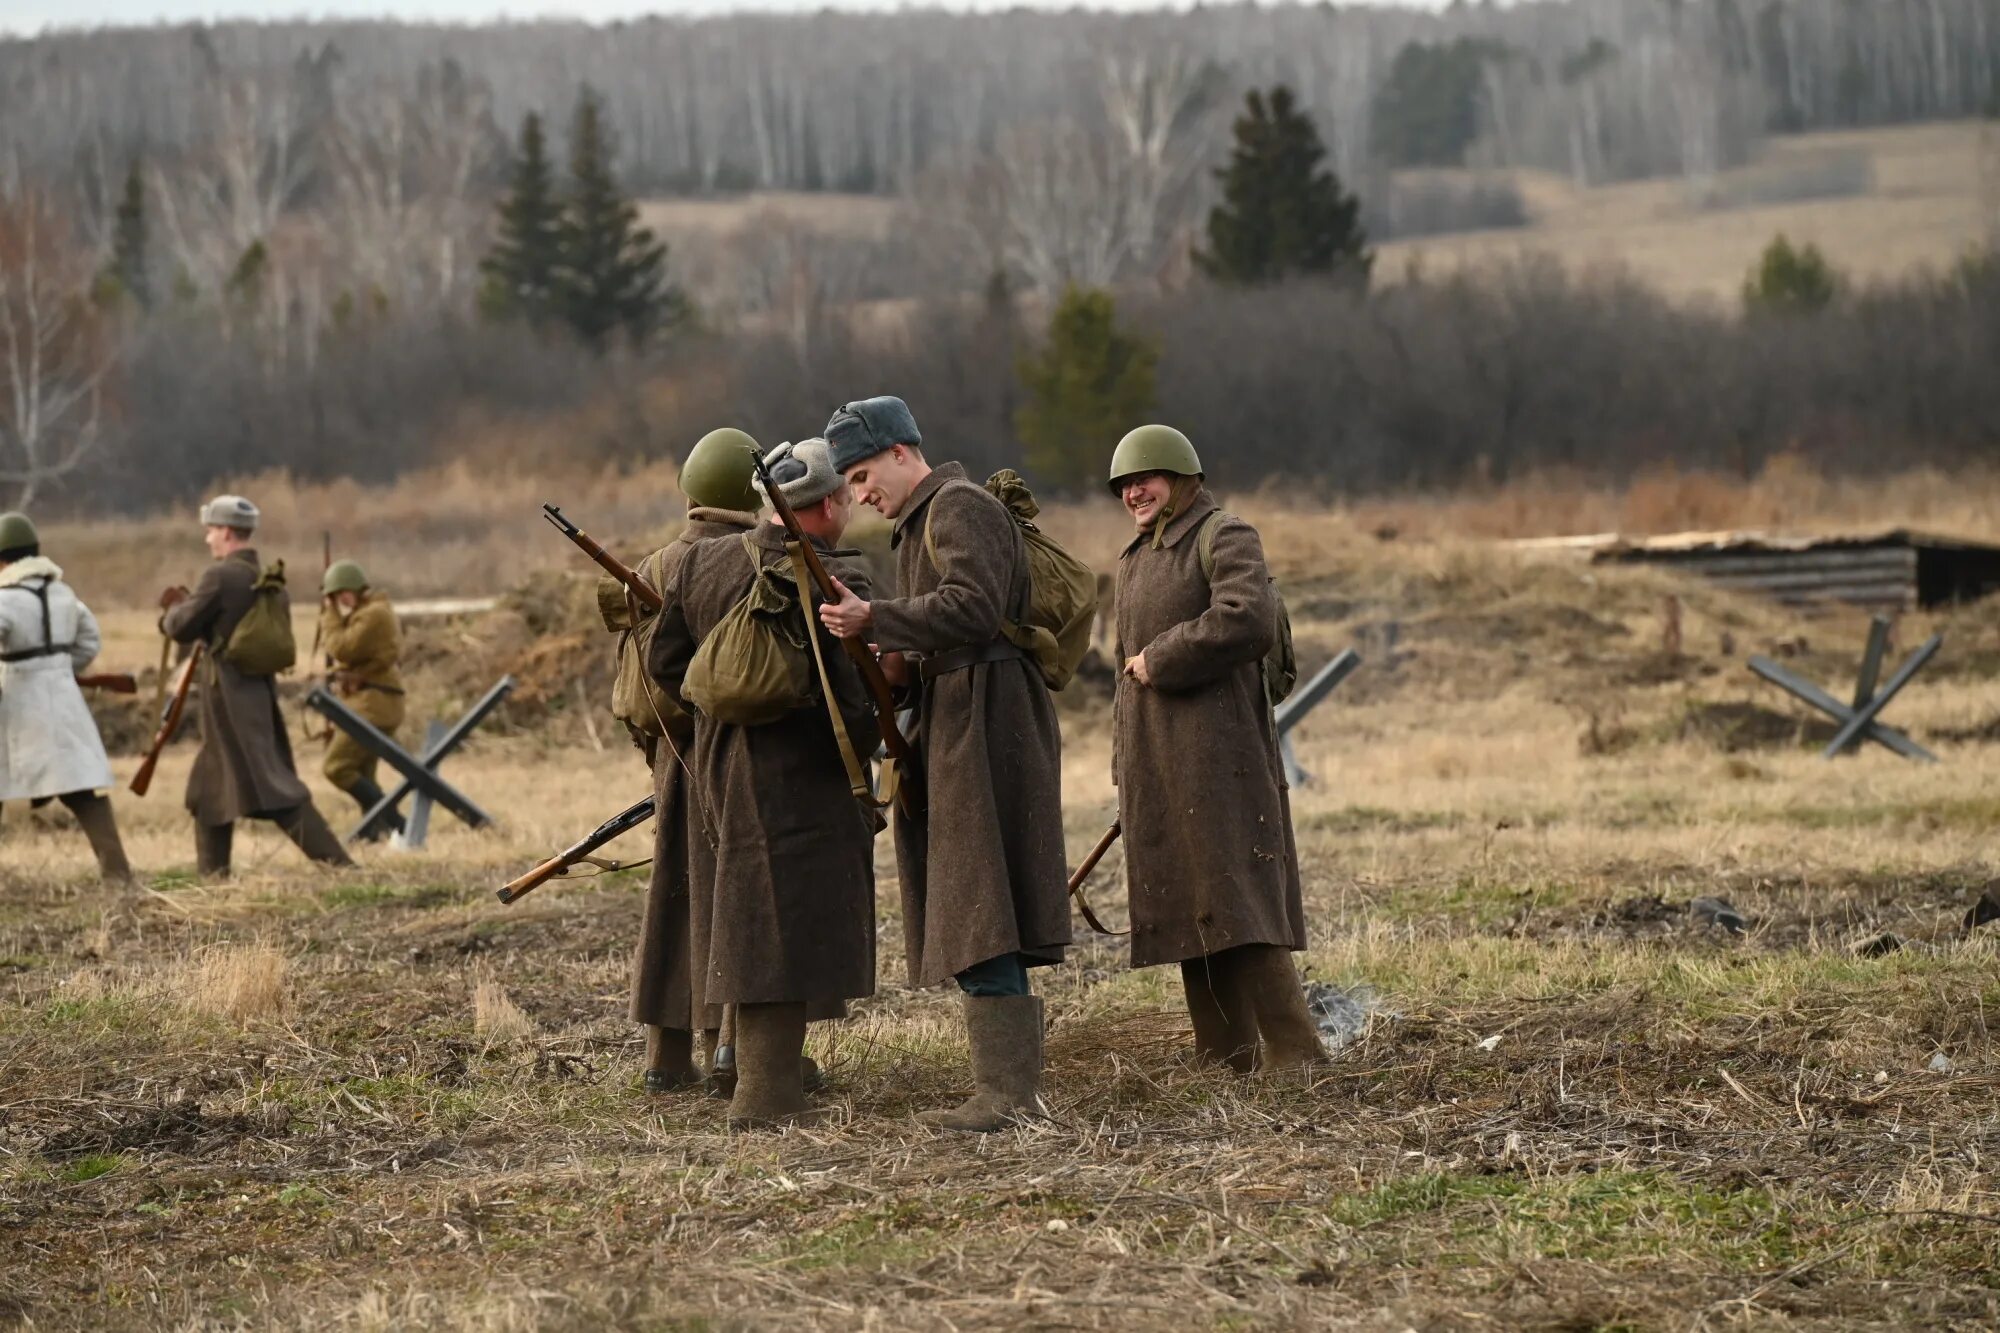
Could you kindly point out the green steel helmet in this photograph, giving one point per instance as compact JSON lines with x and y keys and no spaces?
{"x":343,"y":576}
{"x":17,"y":532}
{"x":1154,"y":449}
{"x":720,"y":470}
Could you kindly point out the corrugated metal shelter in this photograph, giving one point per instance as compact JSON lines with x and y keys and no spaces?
{"x":1893,"y":570}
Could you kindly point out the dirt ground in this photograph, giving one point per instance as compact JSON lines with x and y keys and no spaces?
{"x":377,"y":1098}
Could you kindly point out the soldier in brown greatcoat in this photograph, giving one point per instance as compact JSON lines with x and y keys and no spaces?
{"x":983,"y":879}
{"x":1211,"y":867}
{"x":716,"y":479}
{"x":784,"y":891}
{"x":244,"y":768}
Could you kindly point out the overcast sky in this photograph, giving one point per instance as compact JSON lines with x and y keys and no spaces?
{"x":29,"y":16}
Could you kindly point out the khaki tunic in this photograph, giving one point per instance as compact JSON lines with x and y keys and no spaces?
{"x":782,"y":877}
{"x":365,"y":647}
{"x":1210,"y":862}
{"x":662,"y":988}
{"x":982,"y":866}
{"x":244,"y":767}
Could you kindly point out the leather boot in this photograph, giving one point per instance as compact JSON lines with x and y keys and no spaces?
{"x":368,"y":795}
{"x":212,"y":843}
{"x":1224,"y":1032}
{"x":769,"y":1041}
{"x":670,"y":1059}
{"x":1006,"y":1036}
{"x":1265,"y":982}
{"x":306,"y":827}
{"x":93,"y":812}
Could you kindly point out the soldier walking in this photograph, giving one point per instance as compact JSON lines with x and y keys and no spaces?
{"x":244,"y":769}
{"x":49,"y":746}
{"x":783,"y":877}
{"x":1211,"y":867}
{"x":983,"y":879}
{"x":716,"y":479}
{"x":357,"y":628}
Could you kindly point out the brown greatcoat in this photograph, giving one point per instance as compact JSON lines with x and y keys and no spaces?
{"x":244,"y":767}
{"x":662,"y":989}
{"x":783,"y":876}
{"x":365,"y":646}
{"x":982,"y":867}
{"x":1210,"y":862}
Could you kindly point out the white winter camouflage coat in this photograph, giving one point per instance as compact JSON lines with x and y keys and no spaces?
{"x":48,"y":741}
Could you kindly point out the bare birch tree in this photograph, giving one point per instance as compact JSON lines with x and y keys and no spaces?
{"x":55,"y":352}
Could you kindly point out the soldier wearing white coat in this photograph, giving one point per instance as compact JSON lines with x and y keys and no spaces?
{"x":49,"y":746}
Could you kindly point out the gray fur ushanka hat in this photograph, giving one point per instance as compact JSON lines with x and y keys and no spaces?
{"x":804,"y":473}
{"x":861,"y":430}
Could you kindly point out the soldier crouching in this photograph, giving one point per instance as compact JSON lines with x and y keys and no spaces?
{"x":781,"y":876}
{"x":357,"y":628}
{"x":1211,"y":867}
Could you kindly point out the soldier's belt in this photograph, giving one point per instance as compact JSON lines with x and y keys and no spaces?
{"x":958,"y":659}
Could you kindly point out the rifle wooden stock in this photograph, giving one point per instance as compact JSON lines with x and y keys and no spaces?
{"x":878,"y":685}
{"x":647,"y":594}
{"x":169,"y":724}
{"x":1082,"y":872}
{"x":112,"y":682}
{"x":558,"y":865}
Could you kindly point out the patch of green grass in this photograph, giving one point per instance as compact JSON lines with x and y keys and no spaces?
{"x":875,"y":1240}
{"x":300,"y":1195}
{"x":1601,"y":1217}
{"x":1933,"y":812}
{"x":91,"y":1167}
{"x":166,"y":881}
{"x":369,"y":893}
{"x":98,"y":1013}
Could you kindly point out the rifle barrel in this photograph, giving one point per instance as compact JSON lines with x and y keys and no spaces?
{"x":647,"y":594}
{"x":624,"y":821}
{"x":142,"y":781}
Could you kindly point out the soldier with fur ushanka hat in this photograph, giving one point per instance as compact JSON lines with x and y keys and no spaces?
{"x":983,"y":879}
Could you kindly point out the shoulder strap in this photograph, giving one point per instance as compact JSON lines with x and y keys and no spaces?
{"x":857,"y":776}
{"x":49,"y":647}
{"x":1204,"y":544}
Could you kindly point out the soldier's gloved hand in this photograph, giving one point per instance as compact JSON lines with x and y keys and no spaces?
{"x":173,"y":597}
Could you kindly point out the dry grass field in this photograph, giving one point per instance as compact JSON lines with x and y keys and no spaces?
{"x":377,"y":1099}
{"x":1879,"y":203}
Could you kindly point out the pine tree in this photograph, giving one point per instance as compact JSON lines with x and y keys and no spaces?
{"x":130,"y":269}
{"x":1790,"y":280}
{"x":519,"y":272}
{"x":1282,"y":212}
{"x":613,"y":272}
{"x":1087,"y":386}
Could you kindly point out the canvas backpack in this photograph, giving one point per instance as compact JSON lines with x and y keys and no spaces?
{"x":1062,"y":590}
{"x":1280,"y":666}
{"x":262,"y":643}
{"x":637,"y":699}
{"x":755,"y":666}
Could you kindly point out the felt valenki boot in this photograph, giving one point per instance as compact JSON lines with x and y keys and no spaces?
{"x":1264,"y":981}
{"x":1225,"y":1033}
{"x":307,"y":828}
{"x":93,"y":813}
{"x":1006,"y":1036}
{"x":769,"y":1094}
{"x":212,"y":844}
{"x":670,"y":1059}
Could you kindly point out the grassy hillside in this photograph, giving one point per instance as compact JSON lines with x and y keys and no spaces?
{"x":1879,"y":203}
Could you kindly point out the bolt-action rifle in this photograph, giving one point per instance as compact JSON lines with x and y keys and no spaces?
{"x":559,"y":865}
{"x":169,"y":723}
{"x":1082,"y":873}
{"x":648,"y":595}
{"x":111,"y":682}
{"x":899,"y":749}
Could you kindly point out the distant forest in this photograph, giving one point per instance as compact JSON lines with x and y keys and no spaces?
{"x":280,"y":229}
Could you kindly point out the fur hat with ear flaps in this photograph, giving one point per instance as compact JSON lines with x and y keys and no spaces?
{"x":804,"y":472}
{"x":861,"y":430}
